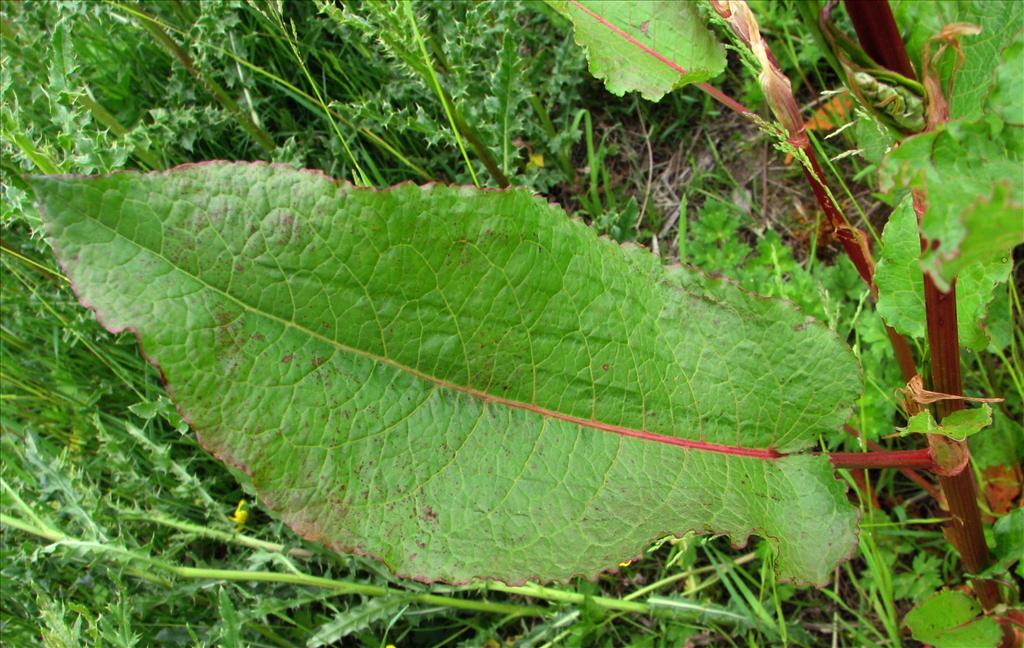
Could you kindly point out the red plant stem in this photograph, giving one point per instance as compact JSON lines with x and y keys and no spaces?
{"x":919,"y":458}
{"x":856,"y":246}
{"x":726,"y":100}
{"x":964,"y":528}
{"x":853,"y":240}
{"x":877,"y":32}
{"x":879,"y":36}
{"x":909,"y":473}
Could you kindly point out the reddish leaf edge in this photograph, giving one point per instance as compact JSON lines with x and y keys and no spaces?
{"x":306,"y":530}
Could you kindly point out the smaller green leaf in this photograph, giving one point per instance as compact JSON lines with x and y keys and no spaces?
{"x":898,"y":274}
{"x":1003,"y":445}
{"x":900,"y":282}
{"x":952,"y":620}
{"x":976,"y":288}
{"x":651,"y":46}
{"x":973,"y":189}
{"x":959,"y":425}
{"x":1008,"y":533}
{"x":231,"y":627}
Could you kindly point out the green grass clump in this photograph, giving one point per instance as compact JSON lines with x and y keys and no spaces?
{"x":118,"y":529}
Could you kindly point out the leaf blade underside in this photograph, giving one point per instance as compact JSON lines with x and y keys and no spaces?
{"x":422,"y":374}
{"x":650,"y":46}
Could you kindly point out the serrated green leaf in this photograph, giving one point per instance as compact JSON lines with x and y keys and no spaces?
{"x":1008,"y":533}
{"x":231,"y":627}
{"x":900,"y":282}
{"x":959,"y":425}
{"x":970,"y":172}
{"x":646,"y":46}
{"x":1003,"y":445}
{"x":952,"y":620}
{"x":974,"y":190}
{"x":463,"y":383}
{"x":1000,"y":21}
{"x":992,"y":227}
{"x":898,"y":274}
{"x":508,"y":95}
{"x":356,"y":619}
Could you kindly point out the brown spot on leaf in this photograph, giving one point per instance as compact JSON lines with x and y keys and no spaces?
{"x":317,"y":361}
{"x":286,"y":227}
{"x":429,"y":515}
{"x":288,"y":358}
{"x":228,"y":335}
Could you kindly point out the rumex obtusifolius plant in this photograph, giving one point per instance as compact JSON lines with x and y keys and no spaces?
{"x":467,"y":384}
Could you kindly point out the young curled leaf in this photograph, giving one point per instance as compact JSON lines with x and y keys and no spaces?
{"x":898,"y":103}
{"x":948,"y":38}
{"x":775,"y":85}
{"x":894,"y":100}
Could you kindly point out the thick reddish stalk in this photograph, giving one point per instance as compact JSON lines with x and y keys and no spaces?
{"x":920,"y":458}
{"x":877,"y":31}
{"x":964,"y":528}
{"x":907,"y":472}
{"x":856,"y":246}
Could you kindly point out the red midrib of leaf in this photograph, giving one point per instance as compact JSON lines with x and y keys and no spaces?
{"x":632,"y":41}
{"x":758,"y":453}
{"x":717,"y":94}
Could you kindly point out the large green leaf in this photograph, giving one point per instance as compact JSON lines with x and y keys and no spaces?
{"x":648,"y":46}
{"x":463,"y":383}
